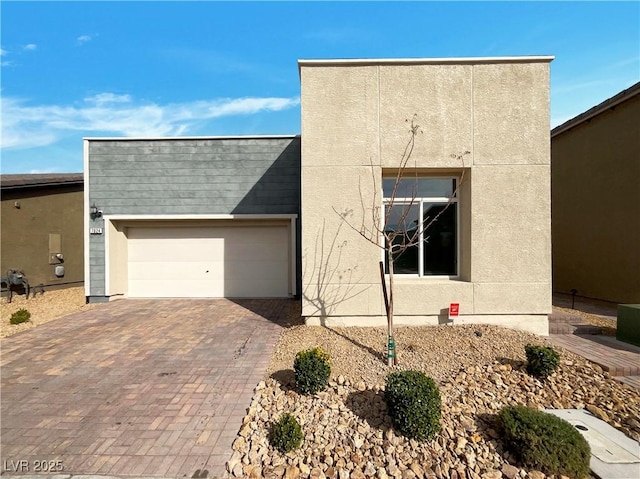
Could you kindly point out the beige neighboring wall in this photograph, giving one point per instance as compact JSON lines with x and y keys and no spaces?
{"x":355,"y":122}
{"x":596,"y":201}
{"x":37,"y":222}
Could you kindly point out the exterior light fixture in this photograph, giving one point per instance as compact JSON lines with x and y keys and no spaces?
{"x":95,"y":212}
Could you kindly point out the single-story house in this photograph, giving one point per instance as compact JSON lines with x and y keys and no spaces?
{"x":595,"y":170}
{"x":278,"y":216}
{"x":42,"y":228}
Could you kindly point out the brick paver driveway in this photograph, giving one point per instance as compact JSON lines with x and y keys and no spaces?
{"x":135,"y":387}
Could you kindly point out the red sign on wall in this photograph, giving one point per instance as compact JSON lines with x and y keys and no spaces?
{"x":454,"y":310}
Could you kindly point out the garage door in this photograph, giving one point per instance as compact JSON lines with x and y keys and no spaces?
{"x":208,"y":262}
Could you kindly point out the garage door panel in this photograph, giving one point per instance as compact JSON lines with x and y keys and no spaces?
{"x":177,"y":249}
{"x":172,"y":233}
{"x":229,"y":261}
{"x":257,"y":243}
{"x":274,"y":270}
{"x":254,"y":289}
{"x":254,"y":252}
{"x":176,"y":270}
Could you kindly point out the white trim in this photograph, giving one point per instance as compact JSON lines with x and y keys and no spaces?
{"x":202,"y":217}
{"x":85,"y":213}
{"x":422,"y":61}
{"x":222,"y":137}
{"x":107,"y":260}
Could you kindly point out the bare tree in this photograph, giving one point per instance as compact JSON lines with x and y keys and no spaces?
{"x":397,"y":240}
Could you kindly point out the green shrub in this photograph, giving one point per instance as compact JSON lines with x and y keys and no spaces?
{"x":20,"y":316}
{"x":545,"y":442}
{"x":312,"y":369}
{"x":542,"y":361}
{"x":414,"y":404}
{"x":286,"y":434}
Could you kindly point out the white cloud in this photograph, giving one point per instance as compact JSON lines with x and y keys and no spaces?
{"x":30,"y":46}
{"x":3,"y":52}
{"x":82,"y":39}
{"x":43,"y":171}
{"x":102,"y":98}
{"x":27,"y":126}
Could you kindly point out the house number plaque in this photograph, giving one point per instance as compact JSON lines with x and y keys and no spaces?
{"x":95,"y":231}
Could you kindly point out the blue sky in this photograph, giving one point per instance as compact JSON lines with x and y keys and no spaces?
{"x":76,"y":69}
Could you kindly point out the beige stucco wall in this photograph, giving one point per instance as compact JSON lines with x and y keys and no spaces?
{"x":355,"y":122}
{"x":596,"y":206}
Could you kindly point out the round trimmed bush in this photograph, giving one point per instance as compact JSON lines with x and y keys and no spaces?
{"x":545,"y":442}
{"x":20,"y":316}
{"x":414,"y":404}
{"x":286,"y":434}
{"x":542,"y":361}
{"x":312,"y":369}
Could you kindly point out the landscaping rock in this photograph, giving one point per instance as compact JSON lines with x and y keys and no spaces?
{"x":348,"y":433}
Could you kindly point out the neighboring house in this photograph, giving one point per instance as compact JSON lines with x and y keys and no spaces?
{"x":595,"y":173}
{"x":42,"y":228}
{"x":258,"y":217}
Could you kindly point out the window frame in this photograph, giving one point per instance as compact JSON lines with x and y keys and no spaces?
{"x":420,"y":201}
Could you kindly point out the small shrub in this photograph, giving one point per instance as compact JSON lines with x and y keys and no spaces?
{"x":312,"y":369}
{"x":20,"y":316}
{"x":414,"y":404}
{"x":545,"y":442}
{"x":542,"y":361}
{"x":286,"y":434}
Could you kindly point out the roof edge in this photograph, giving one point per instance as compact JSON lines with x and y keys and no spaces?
{"x":20,"y":181}
{"x":608,"y":104}
{"x":164,"y":138}
{"x":423,"y":61}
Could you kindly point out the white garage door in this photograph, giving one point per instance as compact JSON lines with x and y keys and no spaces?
{"x":208,"y":262}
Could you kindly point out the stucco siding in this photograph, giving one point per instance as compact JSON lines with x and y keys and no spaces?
{"x":497,"y":112}
{"x":441,"y":99}
{"x":596,"y":205}
{"x":28,"y":217}
{"x":511,"y":113}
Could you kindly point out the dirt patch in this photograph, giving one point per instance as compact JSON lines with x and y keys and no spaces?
{"x":44,"y":307}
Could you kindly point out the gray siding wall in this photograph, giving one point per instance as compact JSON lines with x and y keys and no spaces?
{"x":190,"y":176}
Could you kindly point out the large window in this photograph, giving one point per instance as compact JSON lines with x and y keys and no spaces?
{"x":423,"y":212}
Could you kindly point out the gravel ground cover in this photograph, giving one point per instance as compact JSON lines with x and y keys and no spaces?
{"x":348,"y":433}
{"x":44,"y":307}
{"x":479,"y":369}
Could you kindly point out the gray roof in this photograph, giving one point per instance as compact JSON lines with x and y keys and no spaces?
{"x":10,"y":182}
{"x":609,"y":104}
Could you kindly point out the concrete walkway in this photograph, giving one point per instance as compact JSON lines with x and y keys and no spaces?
{"x":135,"y":387}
